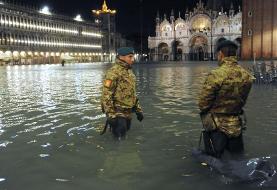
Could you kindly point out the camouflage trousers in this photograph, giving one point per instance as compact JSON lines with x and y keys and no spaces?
{"x":216,"y":142}
{"x":119,"y":126}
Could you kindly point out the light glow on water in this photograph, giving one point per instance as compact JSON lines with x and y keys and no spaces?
{"x":50,"y":115}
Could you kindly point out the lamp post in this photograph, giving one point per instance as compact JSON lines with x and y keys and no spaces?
{"x":141,"y":29}
{"x":212,"y":39}
{"x":106,"y":12}
{"x":174,"y":44}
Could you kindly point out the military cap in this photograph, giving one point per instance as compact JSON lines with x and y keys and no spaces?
{"x":125,"y":51}
{"x":226,"y":43}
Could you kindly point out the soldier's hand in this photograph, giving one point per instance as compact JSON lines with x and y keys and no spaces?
{"x":139,"y":116}
{"x":203,"y":112}
{"x":244,"y":128}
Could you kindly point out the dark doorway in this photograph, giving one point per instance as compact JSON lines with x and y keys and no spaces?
{"x":200,"y":54}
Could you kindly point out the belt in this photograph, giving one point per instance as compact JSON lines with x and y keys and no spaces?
{"x":124,"y":110}
{"x":229,"y":114}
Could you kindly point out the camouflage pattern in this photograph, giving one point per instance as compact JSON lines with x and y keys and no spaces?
{"x":119,"y":91}
{"x":223,"y":96}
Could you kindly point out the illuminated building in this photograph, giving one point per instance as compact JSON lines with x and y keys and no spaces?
{"x":196,"y":36}
{"x":29,"y":36}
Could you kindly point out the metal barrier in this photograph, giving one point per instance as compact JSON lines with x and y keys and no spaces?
{"x":265,"y":73}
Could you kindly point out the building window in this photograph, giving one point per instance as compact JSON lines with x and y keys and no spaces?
{"x":249,"y":32}
{"x":222,"y":30}
{"x":180,"y":33}
{"x":165,"y":34}
{"x":250,"y":14}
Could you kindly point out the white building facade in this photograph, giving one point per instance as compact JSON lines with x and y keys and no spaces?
{"x":196,"y":36}
{"x":30,"y":36}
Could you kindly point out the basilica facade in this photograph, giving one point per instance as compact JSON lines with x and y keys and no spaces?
{"x":196,"y":36}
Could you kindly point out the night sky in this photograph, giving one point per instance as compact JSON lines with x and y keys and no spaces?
{"x":128,"y":16}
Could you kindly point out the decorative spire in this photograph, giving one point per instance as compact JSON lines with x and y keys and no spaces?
{"x":179,"y":14}
{"x":221,"y":11}
{"x":172,"y":12}
{"x":165,"y":16}
{"x":172,"y":17}
{"x":158,"y":14}
{"x":232,"y":6}
{"x":200,"y":5}
{"x":104,"y":6}
{"x":104,"y":10}
{"x":187,"y":14}
{"x":231,"y":11}
{"x":158,"y":18}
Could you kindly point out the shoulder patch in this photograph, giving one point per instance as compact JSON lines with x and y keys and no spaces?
{"x":108,"y":83}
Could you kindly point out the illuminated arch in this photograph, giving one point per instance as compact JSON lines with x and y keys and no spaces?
{"x":166,"y":28}
{"x":180,"y":24}
{"x":198,"y":48}
{"x":163,"y":51}
{"x":221,"y":21}
{"x":198,"y":39}
{"x":200,"y":22}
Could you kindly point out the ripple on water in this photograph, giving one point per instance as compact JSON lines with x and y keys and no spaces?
{"x":32,"y":141}
{"x":2,"y":179}
{"x":1,"y":131}
{"x":46,"y":145}
{"x":4,"y":144}
{"x":44,"y":155}
{"x":47,"y":133}
{"x":97,"y":117}
{"x":79,"y":129}
{"x":60,"y":126}
{"x":62,"y":180}
{"x":42,"y":100}
{"x":34,"y":128}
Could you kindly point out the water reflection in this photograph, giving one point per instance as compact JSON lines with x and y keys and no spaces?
{"x":49,"y":115}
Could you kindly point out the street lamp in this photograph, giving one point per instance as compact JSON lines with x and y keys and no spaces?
{"x":212,"y":54}
{"x":105,"y":11}
{"x":141,"y":29}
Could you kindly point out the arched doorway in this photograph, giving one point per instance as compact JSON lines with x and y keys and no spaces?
{"x":179,"y":54}
{"x":198,"y":53}
{"x":163,"y":52}
{"x":177,"y":50}
{"x":152,"y":54}
{"x":198,"y":48}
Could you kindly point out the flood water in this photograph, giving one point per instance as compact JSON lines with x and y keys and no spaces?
{"x":48,"y":138}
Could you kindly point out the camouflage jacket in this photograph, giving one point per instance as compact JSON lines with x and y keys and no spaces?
{"x":119,"y":91}
{"x":224,"y":94}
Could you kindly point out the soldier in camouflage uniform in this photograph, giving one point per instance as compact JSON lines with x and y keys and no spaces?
{"x":221,"y":101}
{"x":119,"y":98}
